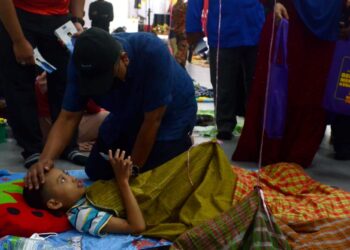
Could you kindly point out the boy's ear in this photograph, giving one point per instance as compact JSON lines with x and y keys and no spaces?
{"x":54,"y":204}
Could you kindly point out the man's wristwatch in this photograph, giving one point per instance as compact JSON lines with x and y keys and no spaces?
{"x":80,"y":20}
{"x":135,"y":170}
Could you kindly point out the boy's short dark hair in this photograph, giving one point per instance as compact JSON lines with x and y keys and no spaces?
{"x":35,"y":197}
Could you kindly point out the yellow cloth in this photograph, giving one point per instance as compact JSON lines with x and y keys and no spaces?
{"x":169,"y":202}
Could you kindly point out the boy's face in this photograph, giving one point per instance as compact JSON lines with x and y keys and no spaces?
{"x":62,"y":188}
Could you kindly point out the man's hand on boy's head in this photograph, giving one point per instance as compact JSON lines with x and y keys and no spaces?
{"x":121,"y":165}
{"x":36,"y":174}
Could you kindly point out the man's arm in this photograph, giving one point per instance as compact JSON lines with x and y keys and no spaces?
{"x":23,"y":50}
{"x":194,"y":29}
{"x":147,"y":135}
{"x":60,"y":135}
{"x":77,"y":10}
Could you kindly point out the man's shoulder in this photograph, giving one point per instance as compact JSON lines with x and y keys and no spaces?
{"x":136,"y":36}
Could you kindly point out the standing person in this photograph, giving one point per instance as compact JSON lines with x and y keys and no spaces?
{"x":27,"y":24}
{"x":179,"y":28}
{"x":150,"y":96}
{"x":101,"y":14}
{"x":313,"y":29}
{"x":240,"y":27}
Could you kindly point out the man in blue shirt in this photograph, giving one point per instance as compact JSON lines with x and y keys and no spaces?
{"x":150,"y":97}
{"x":234,"y":29}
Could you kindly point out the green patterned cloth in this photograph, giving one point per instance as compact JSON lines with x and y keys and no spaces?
{"x":245,"y":226}
{"x":177,"y":195}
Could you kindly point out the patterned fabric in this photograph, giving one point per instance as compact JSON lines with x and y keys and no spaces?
{"x":264,"y":233}
{"x":322,"y":234}
{"x":292,"y":195}
{"x":245,"y":226}
{"x":178,"y":195}
{"x":178,"y":18}
{"x":86,"y":218}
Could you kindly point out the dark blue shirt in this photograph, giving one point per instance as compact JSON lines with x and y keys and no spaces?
{"x":241,"y":21}
{"x":153,"y":79}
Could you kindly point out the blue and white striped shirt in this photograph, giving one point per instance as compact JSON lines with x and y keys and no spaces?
{"x":88,"y":219}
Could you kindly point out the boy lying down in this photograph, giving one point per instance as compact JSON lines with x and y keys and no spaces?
{"x":162,"y":203}
{"x":65,"y":192}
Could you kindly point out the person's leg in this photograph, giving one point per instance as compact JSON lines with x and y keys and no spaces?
{"x":109,"y":137}
{"x":58,"y":56}
{"x":20,"y":95}
{"x":97,"y":167}
{"x":164,"y":151}
{"x":341,"y":137}
{"x":45,"y":126}
{"x":248,"y":58}
{"x":88,"y":129}
{"x":89,"y":126}
{"x":227,"y":91}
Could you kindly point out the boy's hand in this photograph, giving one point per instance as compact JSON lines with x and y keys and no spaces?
{"x":121,"y":165}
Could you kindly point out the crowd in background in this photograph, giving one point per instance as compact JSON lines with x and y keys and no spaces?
{"x":238,"y":34}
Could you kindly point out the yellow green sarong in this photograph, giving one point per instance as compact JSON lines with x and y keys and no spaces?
{"x":178,"y":195}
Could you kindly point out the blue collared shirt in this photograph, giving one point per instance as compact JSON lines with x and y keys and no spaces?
{"x":241,"y":21}
{"x":154,"y":79}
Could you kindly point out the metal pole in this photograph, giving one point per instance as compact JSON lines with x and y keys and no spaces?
{"x":149,"y":16}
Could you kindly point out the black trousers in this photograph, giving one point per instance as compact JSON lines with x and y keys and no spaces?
{"x":99,"y":168}
{"x":19,"y":80}
{"x":341,"y":134}
{"x":235,"y":73}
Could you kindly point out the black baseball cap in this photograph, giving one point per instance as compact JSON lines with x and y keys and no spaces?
{"x":95,"y":53}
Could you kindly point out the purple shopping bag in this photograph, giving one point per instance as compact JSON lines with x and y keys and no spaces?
{"x":337,"y":95}
{"x":278,"y":86}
